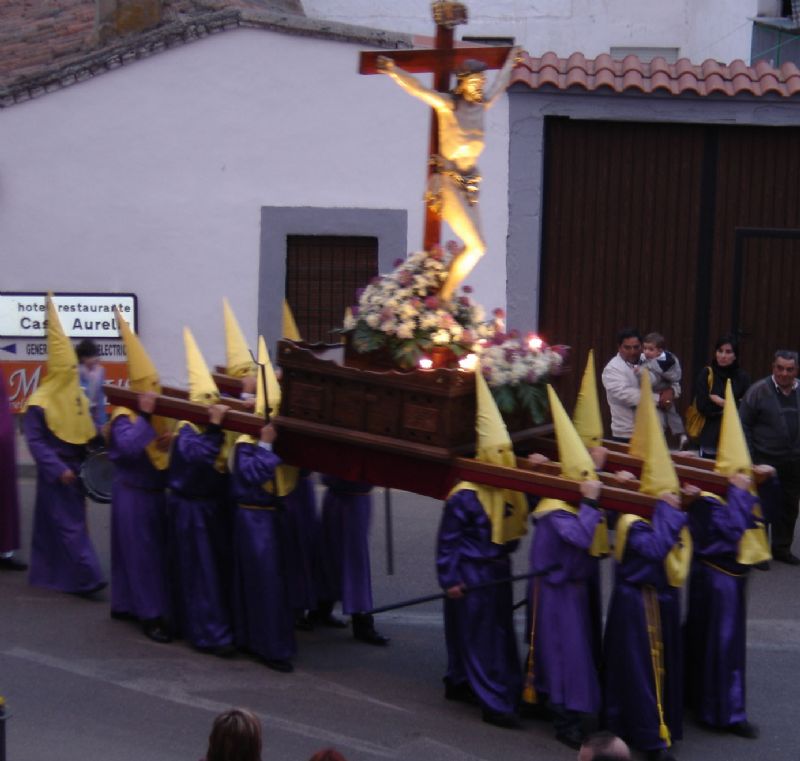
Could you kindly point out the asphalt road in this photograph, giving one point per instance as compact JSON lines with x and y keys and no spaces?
{"x":80,"y":685}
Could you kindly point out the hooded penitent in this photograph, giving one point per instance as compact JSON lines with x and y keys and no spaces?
{"x":285,"y":475}
{"x":203,"y":390}
{"x":238,"y":361}
{"x":507,"y":510}
{"x":142,"y":377}
{"x":289,"y":328}
{"x":576,"y":465}
{"x":65,"y":406}
{"x":733,"y":457}
{"x":587,"y":417}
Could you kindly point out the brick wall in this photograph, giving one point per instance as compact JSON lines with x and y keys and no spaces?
{"x":36,"y":33}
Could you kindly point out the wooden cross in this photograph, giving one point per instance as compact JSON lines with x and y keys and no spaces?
{"x":441,"y":61}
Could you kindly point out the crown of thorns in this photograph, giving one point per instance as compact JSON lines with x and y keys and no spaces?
{"x":470,"y":67}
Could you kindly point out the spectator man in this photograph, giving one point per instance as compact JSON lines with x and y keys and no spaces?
{"x":621,"y":382}
{"x":770,"y":414}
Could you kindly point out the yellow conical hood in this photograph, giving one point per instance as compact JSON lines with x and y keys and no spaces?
{"x":202,"y":388}
{"x":507,"y":510}
{"x":576,"y":463}
{"x":142,"y":373}
{"x":658,"y":472}
{"x":733,"y":456}
{"x":66,"y":408}
{"x":638,"y":443}
{"x":587,"y":417}
{"x":289,"y":330}
{"x":238,"y":361}
{"x":273,"y":394}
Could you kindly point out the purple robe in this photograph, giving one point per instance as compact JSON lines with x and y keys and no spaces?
{"x":62,"y":554}
{"x":479,"y":627}
{"x":263,"y":620}
{"x":631,"y":709}
{"x":346,"y":514}
{"x":200,"y":537}
{"x":716,"y":623}
{"x":139,"y":582}
{"x":9,"y":496}
{"x":302,"y":543}
{"x":564,"y":665}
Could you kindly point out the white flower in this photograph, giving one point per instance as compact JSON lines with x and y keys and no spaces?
{"x":441,"y":337}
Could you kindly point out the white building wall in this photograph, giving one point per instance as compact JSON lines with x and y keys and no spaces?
{"x":718,"y":29}
{"x":151,"y":178}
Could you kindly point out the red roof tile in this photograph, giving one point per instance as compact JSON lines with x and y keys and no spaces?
{"x":657,"y":76}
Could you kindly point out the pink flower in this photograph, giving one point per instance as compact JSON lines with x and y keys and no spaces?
{"x":498,"y":312}
{"x":463,"y":300}
{"x":452,"y":247}
{"x":436,"y":253}
{"x":432,"y":302}
{"x":398,"y":262}
{"x":467,"y":289}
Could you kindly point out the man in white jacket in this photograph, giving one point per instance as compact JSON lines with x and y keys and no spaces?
{"x":621,"y":382}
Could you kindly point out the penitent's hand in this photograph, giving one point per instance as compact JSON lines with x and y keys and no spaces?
{"x":268,"y":434}
{"x":456,"y":592}
{"x":147,"y":402}
{"x":216,"y":412}
{"x":590,"y":489}
{"x":67,"y":477}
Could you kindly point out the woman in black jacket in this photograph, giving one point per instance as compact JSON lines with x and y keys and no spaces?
{"x":710,"y":396}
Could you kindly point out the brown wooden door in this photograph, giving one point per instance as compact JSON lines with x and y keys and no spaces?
{"x":639,"y":229}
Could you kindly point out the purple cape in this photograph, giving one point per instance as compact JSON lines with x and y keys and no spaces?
{"x":479,"y":627}
{"x":631,"y":709}
{"x":263,"y":620}
{"x":62,"y":554}
{"x":9,"y":497}
{"x":346,"y":515}
{"x":200,"y":541}
{"x":139,"y":582}
{"x":564,"y":636}
{"x":716,"y":623}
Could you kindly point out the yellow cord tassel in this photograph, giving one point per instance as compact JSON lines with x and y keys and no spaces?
{"x":529,"y":691}
{"x":653,"y":616}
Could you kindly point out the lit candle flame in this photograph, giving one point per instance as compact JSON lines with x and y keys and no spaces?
{"x":469,"y":362}
{"x":426,"y":363}
{"x":535,"y":342}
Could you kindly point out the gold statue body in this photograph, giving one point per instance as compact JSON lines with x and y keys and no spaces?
{"x":453,"y":187}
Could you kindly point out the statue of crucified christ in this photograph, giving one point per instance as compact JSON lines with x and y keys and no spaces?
{"x":453,"y":186}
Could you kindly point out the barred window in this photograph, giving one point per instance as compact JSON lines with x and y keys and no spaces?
{"x":323,"y":273}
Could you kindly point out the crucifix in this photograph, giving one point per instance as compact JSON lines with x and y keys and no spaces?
{"x":457,"y":127}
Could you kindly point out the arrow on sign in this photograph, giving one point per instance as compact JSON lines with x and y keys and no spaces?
{"x":10,"y":348}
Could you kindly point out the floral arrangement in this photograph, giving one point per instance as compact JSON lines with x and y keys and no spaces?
{"x":517,"y":368}
{"x":402,"y":313}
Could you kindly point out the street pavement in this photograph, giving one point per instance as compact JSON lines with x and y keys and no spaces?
{"x":80,"y":685}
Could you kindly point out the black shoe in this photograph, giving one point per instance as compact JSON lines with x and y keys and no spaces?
{"x":572,"y":738}
{"x":119,"y":615}
{"x":364,"y":630}
{"x":534,"y":711}
{"x":277,"y":664}
{"x":662,"y":754}
{"x":503,"y":720}
{"x":762,"y":566}
{"x":786,"y":557}
{"x":462,"y":693}
{"x":323,"y":617}
{"x":304,"y":624}
{"x":744,"y":729}
{"x":12,"y":564}
{"x":156,"y":631}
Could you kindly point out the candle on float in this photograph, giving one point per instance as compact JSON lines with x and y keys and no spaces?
{"x":425,"y":363}
{"x":535,"y":342}
{"x":469,"y":362}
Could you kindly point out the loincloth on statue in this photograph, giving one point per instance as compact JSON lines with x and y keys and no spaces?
{"x":467,"y":184}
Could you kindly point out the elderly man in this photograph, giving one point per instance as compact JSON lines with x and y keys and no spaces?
{"x":770,"y":414}
{"x":621,"y":382}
